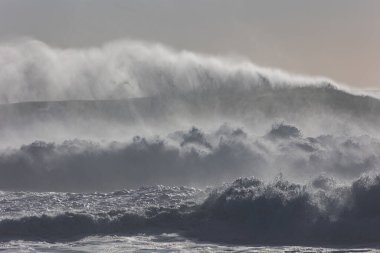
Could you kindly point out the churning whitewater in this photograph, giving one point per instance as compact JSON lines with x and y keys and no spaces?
{"x":135,"y":141}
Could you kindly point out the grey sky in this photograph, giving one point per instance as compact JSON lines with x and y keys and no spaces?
{"x":335,"y":38}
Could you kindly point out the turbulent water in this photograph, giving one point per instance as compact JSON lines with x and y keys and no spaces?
{"x":136,"y":147}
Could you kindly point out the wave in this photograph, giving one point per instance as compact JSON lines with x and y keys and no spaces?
{"x":129,"y":88}
{"x":34,"y":71}
{"x":189,"y":158}
{"x":246,"y":211}
{"x":322,"y":212}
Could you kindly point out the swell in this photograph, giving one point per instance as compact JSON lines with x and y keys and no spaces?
{"x":317,"y":110}
{"x":225,"y":102}
{"x":247,"y":211}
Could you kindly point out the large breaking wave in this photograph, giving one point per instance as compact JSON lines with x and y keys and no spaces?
{"x":128,"y":88}
{"x":34,"y":71}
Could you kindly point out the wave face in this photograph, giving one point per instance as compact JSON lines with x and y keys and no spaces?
{"x":77,"y":123}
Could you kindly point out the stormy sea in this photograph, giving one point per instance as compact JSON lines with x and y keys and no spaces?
{"x":135,"y":147}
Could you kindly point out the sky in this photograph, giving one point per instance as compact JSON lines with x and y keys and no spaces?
{"x":339,"y":39}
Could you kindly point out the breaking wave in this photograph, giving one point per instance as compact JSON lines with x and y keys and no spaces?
{"x":246,"y":211}
{"x":34,"y":71}
{"x":188,"y":158}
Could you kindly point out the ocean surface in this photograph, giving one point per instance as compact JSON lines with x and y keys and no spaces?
{"x":149,"y":219}
{"x":134,"y":147}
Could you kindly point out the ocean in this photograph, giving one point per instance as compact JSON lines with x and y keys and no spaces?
{"x":137,"y":148}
